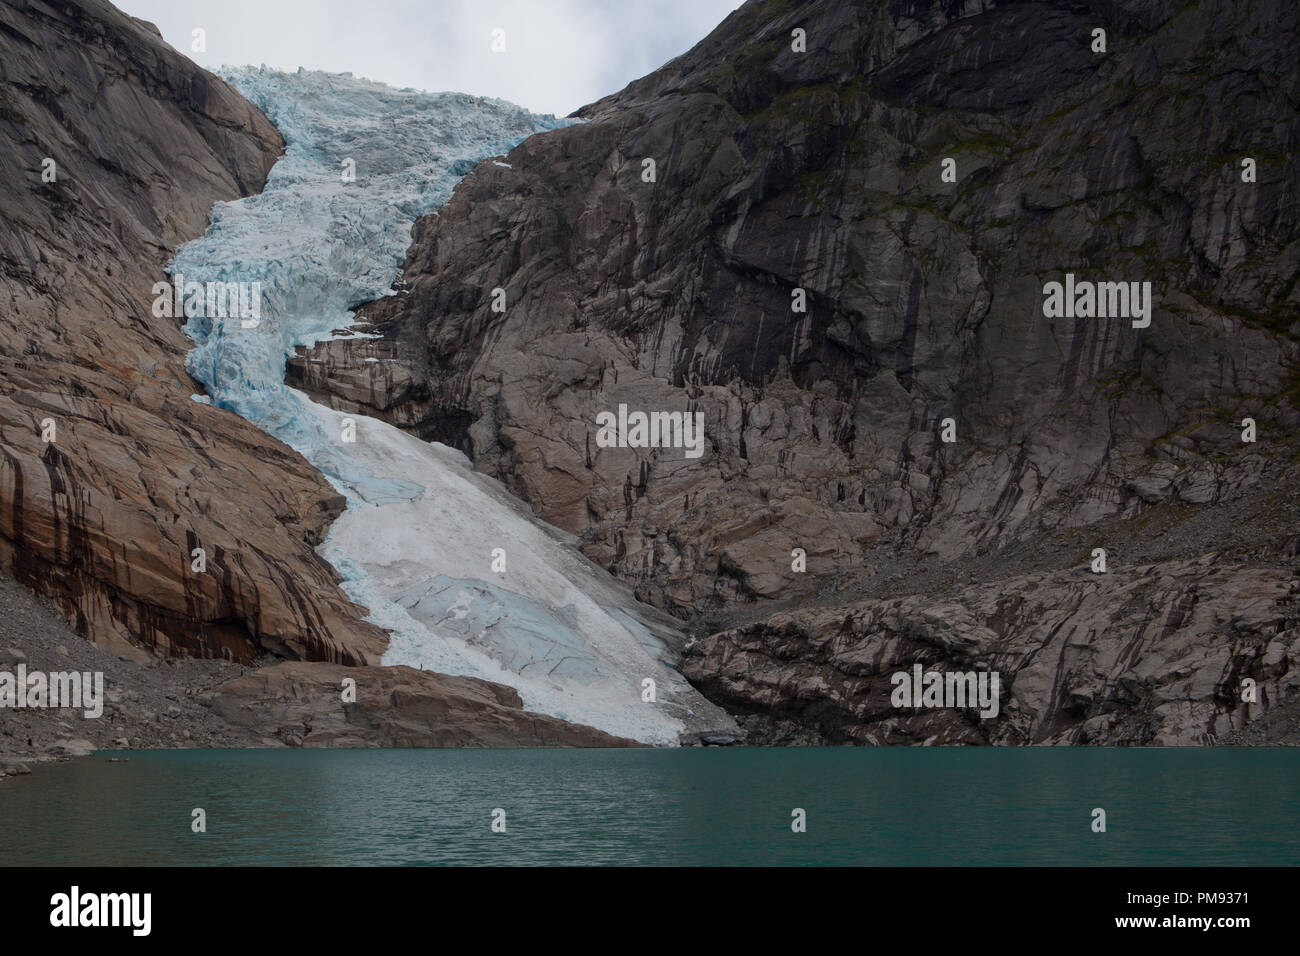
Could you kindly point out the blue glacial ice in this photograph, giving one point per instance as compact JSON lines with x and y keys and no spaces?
{"x":415,"y":543}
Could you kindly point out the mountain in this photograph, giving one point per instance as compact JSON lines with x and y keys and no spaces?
{"x":868,"y":246}
{"x":168,"y":512}
{"x":947,"y":442}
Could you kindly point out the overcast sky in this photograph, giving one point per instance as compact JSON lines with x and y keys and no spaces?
{"x":559,"y":54}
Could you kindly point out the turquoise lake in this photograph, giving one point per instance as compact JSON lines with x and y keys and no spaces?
{"x":733,"y":806}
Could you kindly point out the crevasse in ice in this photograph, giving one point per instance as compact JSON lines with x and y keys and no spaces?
{"x":415,"y":544}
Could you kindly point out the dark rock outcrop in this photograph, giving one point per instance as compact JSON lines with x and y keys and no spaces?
{"x":104,"y":518}
{"x":1157,"y":656}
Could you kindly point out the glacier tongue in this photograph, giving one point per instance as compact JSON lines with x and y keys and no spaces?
{"x":415,"y":543}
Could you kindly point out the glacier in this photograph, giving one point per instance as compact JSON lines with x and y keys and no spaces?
{"x":415,"y":543}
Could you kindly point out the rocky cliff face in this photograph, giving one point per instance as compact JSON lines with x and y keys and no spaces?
{"x":783,"y":178}
{"x":110,"y":474}
{"x":821,"y":171}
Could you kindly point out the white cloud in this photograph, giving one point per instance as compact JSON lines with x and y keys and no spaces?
{"x":560,"y":54}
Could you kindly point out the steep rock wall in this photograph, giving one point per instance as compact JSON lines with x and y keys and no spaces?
{"x":104,"y":518}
